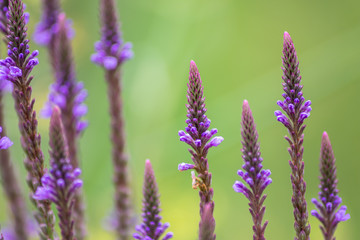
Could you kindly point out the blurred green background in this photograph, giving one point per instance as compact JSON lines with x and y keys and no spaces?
{"x":237,"y":46}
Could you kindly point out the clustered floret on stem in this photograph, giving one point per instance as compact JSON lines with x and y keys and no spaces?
{"x":151,"y":228}
{"x":5,"y":142}
{"x":200,"y":139}
{"x":328,"y":213}
{"x":60,"y":184}
{"x":254,"y":175}
{"x":297,"y":110}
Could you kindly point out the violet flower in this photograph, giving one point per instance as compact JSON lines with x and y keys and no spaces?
{"x":297,"y":111}
{"x":255,"y":177}
{"x":151,"y":228}
{"x":5,"y":142}
{"x":111,"y":53}
{"x":199,"y":138}
{"x":17,"y":69}
{"x":60,"y":185}
{"x":329,"y":211}
{"x":46,"y":29}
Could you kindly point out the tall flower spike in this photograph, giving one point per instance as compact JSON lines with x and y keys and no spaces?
{"x":297,"y":110}
{"x":111,"y":53}
{"x":151,"y":227}
{"x":200,"y":139}
{"x":68,"y":95}
{"x":254,"y":175}
{"x":329,"y":213}
{"x":17,"y":69}
{"x":61,"y":183}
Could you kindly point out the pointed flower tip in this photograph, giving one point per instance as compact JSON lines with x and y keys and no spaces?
{"x":193,"y":66}
{"x":325,"y":136}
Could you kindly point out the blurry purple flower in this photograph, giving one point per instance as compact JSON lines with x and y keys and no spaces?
{"x":5,"y":142}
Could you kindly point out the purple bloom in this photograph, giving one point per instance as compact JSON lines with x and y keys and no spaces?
{"x":47,"y":28}
{"x":151,"y":227}
{"x":4,"y":7}
{"x":297,"y":110}
{"x":17,"y":68}
{"x":200,"y":139}
{"x":328,"y":213}
{"x":61,"y":183}
{"x":257,"y":178}
{"x":5,"y":142}
{"x":66,"y":92}
{"x":111,"y":51}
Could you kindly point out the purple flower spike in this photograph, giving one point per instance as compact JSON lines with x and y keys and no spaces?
{"x":17,"y":68}
{"x":69,"y":95}
{"x":296,"y":110}
{"x":151,"y":227}
{"x":61,"y":183}
{"x":328,"y":213}
{"x":111,"y":51}
{"x":199,"y":138}
{"x":256,"y":177}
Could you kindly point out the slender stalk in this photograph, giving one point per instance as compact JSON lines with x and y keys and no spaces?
{"x":11,"y":186}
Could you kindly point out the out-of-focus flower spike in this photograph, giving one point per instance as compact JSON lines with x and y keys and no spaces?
{"x":329,"y":214}
{"x":111,"y":53}
{"x":207,"y":223}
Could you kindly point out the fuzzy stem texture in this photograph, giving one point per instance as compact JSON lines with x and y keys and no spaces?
{"x":60,"y":185}
{"x":17,"y":68}
{"x":111,"y":53}
{"x":328,"y":213}
{"x":253,"y":174}
{"x":297,"y":111}
{"x":199,"y":137}
{"x":151,"y":227}
{"x":68,"y":95}
{"x":11,"y":186}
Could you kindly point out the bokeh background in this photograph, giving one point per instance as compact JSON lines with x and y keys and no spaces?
{"x":237,"y":46}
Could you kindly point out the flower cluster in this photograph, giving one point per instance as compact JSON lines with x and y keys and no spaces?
{"x":196,"y":133}
{"x":256,"y":178}
{"x":328,"y":213}
{"x":151,"y":228}
{"x":5,"y":142}
{"x":111,"y":51}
